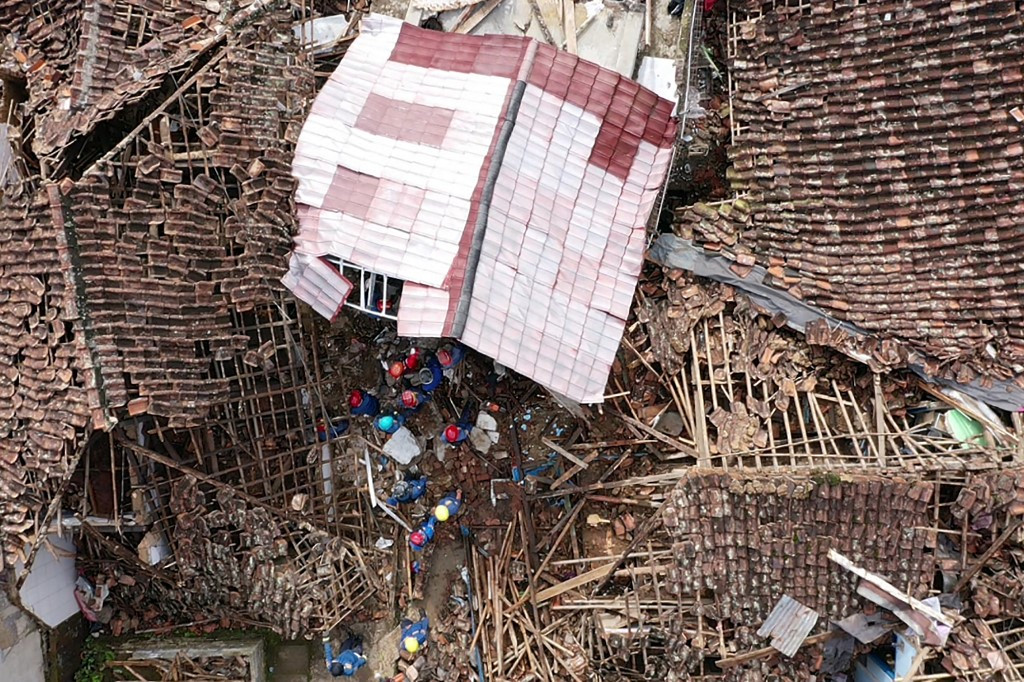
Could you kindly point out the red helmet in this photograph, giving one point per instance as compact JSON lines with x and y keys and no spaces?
{"x":451,"y":433}
{"x":444,"y":357}
{"x":397,"y":369}
{"x":410,"y":399}
{"x":355,"y":398}
{"x":413,"y":361}
{"x":418,"y":538}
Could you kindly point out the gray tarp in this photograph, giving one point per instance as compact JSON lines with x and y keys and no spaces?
{"x":674,"y":252}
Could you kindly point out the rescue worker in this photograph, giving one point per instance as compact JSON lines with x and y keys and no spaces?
{"x":407,"y":365}
{"x":415,"y":634}
{"x":389,"y":423}
{"x":396,"y":369}
{"x":429,"y":376}
{"x":449,"y":506}
{"x":348,"y":660}
{"x":362,"y":404}
{"x":456,"y":433}
{"x":336,"y":429}
{"x":413,"y":401}
{"x":419,"y":539}
{"x":450,"y":355}
{"x":408,"y":491}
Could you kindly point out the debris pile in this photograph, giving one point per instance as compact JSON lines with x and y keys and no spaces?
{"x":755,"y":497}
{"x":836,"y":195}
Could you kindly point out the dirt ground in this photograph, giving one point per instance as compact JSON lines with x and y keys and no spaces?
{"x":353,"y":349}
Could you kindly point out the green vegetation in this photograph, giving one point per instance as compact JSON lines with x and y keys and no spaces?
{"x":94,"y":662}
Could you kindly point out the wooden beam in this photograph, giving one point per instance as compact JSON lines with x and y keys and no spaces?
{"x":980,"y":563}
{"x":575,"y":583}
{"x":569,"y":24}
{"x":573,"y":470}
{"x":565,"y":453}
{"x":727,"y":663}
{"x":477,"y":17}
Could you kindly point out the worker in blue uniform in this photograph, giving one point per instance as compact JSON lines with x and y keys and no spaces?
{"x":415,"y":634}
{"x":390,"y":422}
{"x":420,"y":538}
{"x":348,"y":660}
{"x":408,"y":491}
{"x":430,"y":375}
{"x":449,"y":506}
{"x":450,"y":355}
{"x":363,"y":404}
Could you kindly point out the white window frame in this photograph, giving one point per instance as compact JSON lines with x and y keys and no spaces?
{"x":365,"y":283}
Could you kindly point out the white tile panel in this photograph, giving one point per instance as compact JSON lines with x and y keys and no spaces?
{"x":49,"y":590}
{"x":317,"y":284}
{"x":422,"y":311}
{"x":422,"y":245}
{"x":563,"y":241}
{"x":574,"y":232}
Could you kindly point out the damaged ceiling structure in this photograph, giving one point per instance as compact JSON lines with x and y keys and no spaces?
{"x":144,"y":325}
{"x":809,"y":460}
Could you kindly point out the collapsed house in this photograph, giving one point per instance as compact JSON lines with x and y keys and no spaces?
{"x":153,"y":366}
{"x":880,"y":190}
{"x":768,"y":490}
{"x":505,"y":184}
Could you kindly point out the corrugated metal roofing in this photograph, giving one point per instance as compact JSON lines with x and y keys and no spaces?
{"x":788,"y":625}
{"x":525,"y":241}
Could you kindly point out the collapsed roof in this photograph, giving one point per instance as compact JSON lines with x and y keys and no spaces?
{"x":881,"y":172}
{"x":507,"y":183}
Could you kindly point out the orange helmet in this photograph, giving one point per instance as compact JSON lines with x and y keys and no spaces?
{"x":397,"y":369}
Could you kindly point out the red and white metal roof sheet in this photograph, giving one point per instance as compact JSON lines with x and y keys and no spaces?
{"x":506,"y":182}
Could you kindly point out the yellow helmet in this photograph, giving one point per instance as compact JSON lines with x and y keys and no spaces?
{"x":411,"y":644}
{"x":442,"y":513}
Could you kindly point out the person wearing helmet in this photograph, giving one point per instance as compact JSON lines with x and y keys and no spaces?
{"x":429,"y":375}
{"x":450,"y":355}
{"x":449,"y":506}
{"x":396,"y":369}
{"x":389,"y":423}
{"x":456,"y":433}
{"x":348,"y":660}
{"x":362,"y":404}
{"x":431,"y":363}
{"x":413,"y":401}
{"x":408,"y":491}
{"x":414,"y":635}
{"x":419,"y":539}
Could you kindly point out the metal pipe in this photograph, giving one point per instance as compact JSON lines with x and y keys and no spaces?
{"x":472,"y":614}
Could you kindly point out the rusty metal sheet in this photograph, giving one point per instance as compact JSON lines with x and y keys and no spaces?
{"x":788,"y":625}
